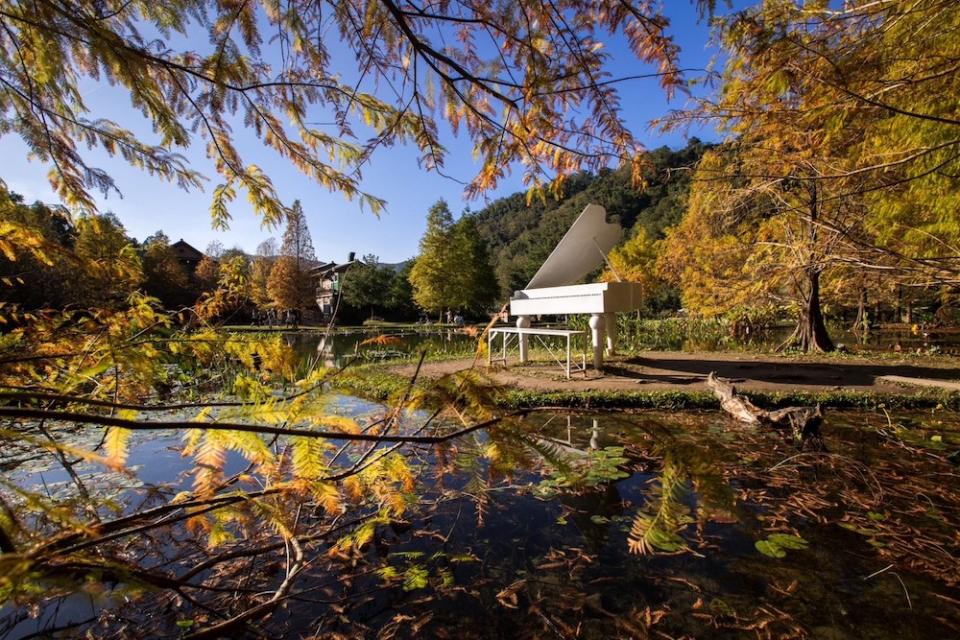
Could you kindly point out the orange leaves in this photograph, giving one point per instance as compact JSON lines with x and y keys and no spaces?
{"x":116,"y":446}
{"x":339,"y":423}
{"x":528,"y":82}
{"x":209,"y":458}
{"x":354,"y":488}
{"x":382,"y":340}
{"x":327,"y":496}
{"x":285,"y":284}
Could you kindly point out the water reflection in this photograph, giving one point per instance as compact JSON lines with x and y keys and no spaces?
{"x":617,"y":525}
{"x":645,"y":524}
{"x":335,"y":349}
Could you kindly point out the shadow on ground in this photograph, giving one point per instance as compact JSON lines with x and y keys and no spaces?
{"x":686,"y":371}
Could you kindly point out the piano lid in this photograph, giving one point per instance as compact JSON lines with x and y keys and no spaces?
{"x":581,"y":250}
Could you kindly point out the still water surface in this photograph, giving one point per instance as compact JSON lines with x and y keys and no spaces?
{"x":336,"y":349}
{"x":639,"y":525}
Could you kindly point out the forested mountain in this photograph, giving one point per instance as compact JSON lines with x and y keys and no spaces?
{"x":520,"y":237}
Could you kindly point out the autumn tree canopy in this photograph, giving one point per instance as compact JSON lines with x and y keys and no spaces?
{"x":840,"y":158}
{"x":432,"y":276}
{"x":526,"y":81}
{"x":287,"y":286}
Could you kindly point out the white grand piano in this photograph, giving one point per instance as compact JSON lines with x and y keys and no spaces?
{"x":552,"y":290}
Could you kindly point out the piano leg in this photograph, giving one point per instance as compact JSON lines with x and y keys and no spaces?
{"x":523,"y":322}
{"x":596,"y":328}
{"x":610,"y":323}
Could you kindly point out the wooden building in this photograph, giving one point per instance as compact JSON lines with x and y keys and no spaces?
{"x":188,"y":255}
{"x":328,"y":278}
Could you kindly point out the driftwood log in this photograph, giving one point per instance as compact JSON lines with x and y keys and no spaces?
{"x":803,"y":421}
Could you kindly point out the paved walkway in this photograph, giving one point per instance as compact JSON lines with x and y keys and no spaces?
{"x":676,"y":371}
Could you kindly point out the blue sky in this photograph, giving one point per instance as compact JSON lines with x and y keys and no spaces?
{"x":338,"y":226}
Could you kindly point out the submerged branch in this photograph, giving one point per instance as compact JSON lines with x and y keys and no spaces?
{"x":804,"y":421}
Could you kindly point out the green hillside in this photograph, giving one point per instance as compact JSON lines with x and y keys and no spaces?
{"x":521,"y":237}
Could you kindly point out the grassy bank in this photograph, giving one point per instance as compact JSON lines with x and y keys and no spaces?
{"x":379,"y":384}
{"x":706,"y":400}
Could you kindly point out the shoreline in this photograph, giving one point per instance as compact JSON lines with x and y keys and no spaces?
{"x":677,"y":380}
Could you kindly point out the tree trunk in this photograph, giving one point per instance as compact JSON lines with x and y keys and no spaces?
{"x":899,"y":304}
{"x":862,"y":323}
{"x":811,"y":332}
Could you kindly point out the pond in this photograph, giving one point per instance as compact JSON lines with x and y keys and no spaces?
{"x":689,"y":334}
{"x":596,"y":525}
{"x":653,"y":335}
{"x":336,"y":349}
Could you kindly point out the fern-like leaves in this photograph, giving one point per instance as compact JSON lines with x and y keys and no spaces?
{"x":657,"y":527}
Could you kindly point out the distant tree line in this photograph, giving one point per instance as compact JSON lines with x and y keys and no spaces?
{"x":452,"y":272}
{"x":374,"y":290}
{"x":116,"y":264}
{"x":273,"y":285}
{"x":225,"y":284}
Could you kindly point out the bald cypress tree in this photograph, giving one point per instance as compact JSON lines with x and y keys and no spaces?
{"x":476,"y":285}
{"x":432,"y":277}
{"x":297,"y":250}
{"x":453,"y":270}
{"x":297,"y":242}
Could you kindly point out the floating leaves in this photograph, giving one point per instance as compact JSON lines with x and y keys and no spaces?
{"x":777,"y":544}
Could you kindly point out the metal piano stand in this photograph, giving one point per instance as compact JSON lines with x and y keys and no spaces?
{"x":523,"y":331}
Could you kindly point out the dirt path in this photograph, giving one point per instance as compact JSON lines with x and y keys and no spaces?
{"x":676,"y":371}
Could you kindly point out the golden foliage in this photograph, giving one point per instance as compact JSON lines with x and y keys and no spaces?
{"x":116,"y":445}
{"x":287,"y":285}
{"x":382,"y":340}
{"x":532,"y":99}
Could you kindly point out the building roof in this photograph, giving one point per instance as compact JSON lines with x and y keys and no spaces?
{"x":329,"y":268}
{"x":185,"y":251}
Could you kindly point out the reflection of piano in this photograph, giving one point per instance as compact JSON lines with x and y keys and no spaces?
{"x":552,"y":290}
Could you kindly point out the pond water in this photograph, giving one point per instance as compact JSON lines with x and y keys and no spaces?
{"x":616,"y":524}
{"x":345,"y":344}
{"x":335,"y":350}
{"x":919,"y":340}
